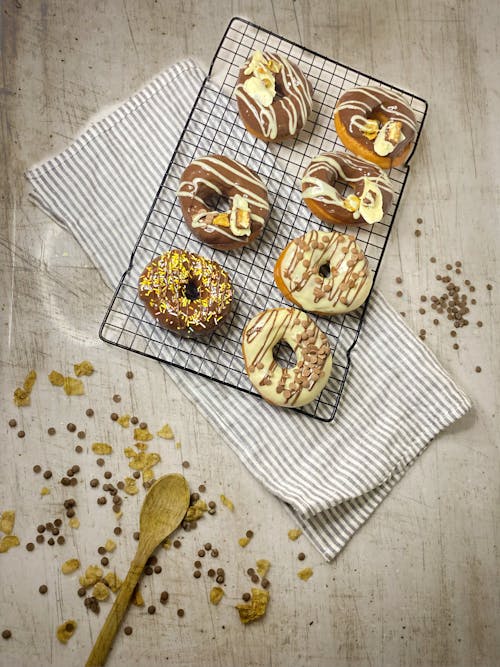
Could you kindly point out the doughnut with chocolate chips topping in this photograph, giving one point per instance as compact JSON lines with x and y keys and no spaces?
{"x":286,"y":387}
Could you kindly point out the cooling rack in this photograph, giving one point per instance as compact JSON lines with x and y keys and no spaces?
{"x":214,"y":126}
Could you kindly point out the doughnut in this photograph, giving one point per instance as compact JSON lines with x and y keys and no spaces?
{"x":286,"y":387}
{"x":376,"y":124}
{"x":372,"y":195}
{"x":324,"y":273}
{"x":213,"y":176}
{"x":186,"y":293}
{"x":274,"y":97}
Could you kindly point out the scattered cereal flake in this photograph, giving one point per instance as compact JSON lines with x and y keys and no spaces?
{"x":137,"y":598}
{"x":263,"y":566}
{"x":130,"y":486}
{"x":7,"y":521}
{"x":124,"y":421}
{"x":101,"y":448}
{"x":45,"y":491}
{"x":113,"y":581}
{"x":178,"y":445}
{"x":21,"y":397}
{"x":57,"y":379}
{"x":142,"y":434}
{"x":73,"y":387}
{"x":83,"y":368}
{"x":70,"y":566}
{"x":141,"y":446}
{"x":100,"y":591}
{"x":167,"y":544}
{"x":228,"y":503}
{"x":110,"y":545}
{"x":216,"y":595}
{"x":166,"y":432}
{"x":243,"y":541}
{"x":144,"y":460}
{"x":305,"y":574}
{"x":196,"y":510}
{"x":29,"y":381}
{"x":256,"y":607}
{"x":147,"y":475}
{"x":129,"y":452}
{"x":294,"y":534}
{"x":8,"y":542}
{"x":92,"y":575}
{"x":74,"y":522}
{"x":66,"y":631}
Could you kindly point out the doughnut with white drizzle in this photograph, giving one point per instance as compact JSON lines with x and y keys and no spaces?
{"x":376,"y":124}
{"x":324,"y":273}
{"x":274,"y":97}
{"x":212,"y":176}
{"x":372,"y":195}
{"x":286,"y":387}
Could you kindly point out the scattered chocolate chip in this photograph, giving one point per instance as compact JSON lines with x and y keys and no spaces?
{"x":164,"y":597}
{"x":265,"y":583}
{"x":214,"y":553}
{"x":219,"y":579}
{"x":255,"y":578}
{"x":81,"y":434}
{"x":418,"y":232}
{"x":94,"y":482}
{"x":65,"y":481}
{"x":196,"y":574}
{"x":81,"y":592}
{"x":114,"y":416}
{"x":108,"y":475}
{"x":89,"y":412}
{"x":51,"y":431}
{"x":180,"y":613}
{"x":143,"y":425}
{"x":246,"y":597}
{"x":51,"y":541}
{"x":453,"y":334}
{"x":201,"y":553}
{"x":117,"y":398}
{"x":129,"y":375}
{"x":101,"y":551}
{"x":21,"y":434}
{"x":399,"y":280}
{"x":37,"y":469}
{"x":197,"y":563}
{"x":105,"y":561}
{"x":419,"y":221}
{"x":211,"y":511}
{"x":61,"y":539}
{"x":12,"y":423}
{"x":479,"y":324}
{"x":102,"y":500}
{"x":121,"y":485}
{"x":249,"y":534}
{"x":40,"y":539}
{"x":202,"y":488}
{"x":136,"y":535}
{"x":456,"y":346}
{"x":433,"y":260}
{"x":212,"y":504}
{"x":399,"y":293}
{"x":127,"y":630}
{"x":489,"y":287}
{"x":6,"y":634}
{"x":71,"y":427}
{"x":207,"y":546}
{"x":211,"y":572}
{"x":421,"y":311}
{"x":250,"y":571}
{"x":136,"y":474}
{"x":478,"y":369}
{"x":151,"y":609}
{"x":43,"y":589}
{"x":185,"y":464}
{"x":134,"y":420}
{"x":148,"y":570}
{"x":100,"y":462}
{"x":157,"y":569}
{"x":30,"y":546}
{"x":78,"y":449}
{"x":70,"y":514}
{"x":117,"y":530}
{"x":220,"y":571}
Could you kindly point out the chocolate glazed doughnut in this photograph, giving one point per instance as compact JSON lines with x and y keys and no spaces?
{"x":274,"y":97}
{"x":376,"y":124}
{"x":213,"y":176}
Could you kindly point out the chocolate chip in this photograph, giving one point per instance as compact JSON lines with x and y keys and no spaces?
{"x":134,"y":420}
{"x":164,"y":597}
{"x":478,"y":369}
{"x":12,"y":423}
{"x":255,"y":578}
{"x":456,"y":346}
{"x":89,"y":412}
{"x":30,"y":546}
{"x":102,"y":500}
{"x":196,"y":574}
{"x":21,"y":434}
{"x":479,"y":324}
{"x":61,"y":539}
{"x":114,"y":416}
{"x":212,"y":511}
{"x":212,"y":504}
{"x":418,"y":232}
{"x":117,"y":530}
{"x":419,"y":221}
{"x":433,"y":260}
{"x":151,"y":609}
{"x":157,"y":569}
{"x":100,"y":462}
{"x":70,"y":514}
{"x":202,"y":488}
{"x":94,"y":482}
{"x":71,"y":427}
{"x":51,"y":431}
{"x":129,"y":375}
{"x":399,"y":293}
{"x":136,"y":474}
{"x":65,"y":481}
{"x":143,"y":425}
{"x":136,"y":535}
{"x":249,"y":534}
{"x":250,"y":571}
{"x":148,"y":570}
{"x":81,"y":592}
{"x":453,"y":334}
{"x":301,"y":556}
{"x":201,"y":553}
{"x":185,"y":464}
{"x":220,"y":571}
{"x":211,"y":572}
{"x":489,"y":287}
{"x":219,"y":579}
{"x":108,"y":475}
{"x":6,"y":634}
{"x":127,"y":630}
{"x":421,"y":311}
{"x":101,"y":551}
{"x":43,"y":589}
{"x":37,"y":469}
{"x":40,"y":539}
{"x":399,"y":280}
{"x":117,"y":398}
{"x":81,"y":434}
{"x":180,"y":613}
{"x":265,"y":583}
{"x":207,"y":546}
{"x":214,"y":553}
{"x":78,"y":449}
{"x":246,"y":597}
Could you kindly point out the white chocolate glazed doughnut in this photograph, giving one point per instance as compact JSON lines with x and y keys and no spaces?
{"x":344,"y":284}
{"x":286,"y":387}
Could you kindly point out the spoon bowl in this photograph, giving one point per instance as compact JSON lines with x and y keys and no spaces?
{"x":163,"y":509}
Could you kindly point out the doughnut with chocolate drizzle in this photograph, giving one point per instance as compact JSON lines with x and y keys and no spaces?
{"x":286,"y":387}
{"x":324,"y":273}
{"x":212,"y":176}
{"x":376,"y":124}
{"x":274,"y":97}
{"x":372,"y":195}
{"x":186,"y":293}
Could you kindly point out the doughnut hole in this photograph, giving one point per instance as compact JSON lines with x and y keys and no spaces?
{"x":324,"y":270}
{"x":191,"y":291}
{"x":284,"y":355}
{"x":219,"y":204}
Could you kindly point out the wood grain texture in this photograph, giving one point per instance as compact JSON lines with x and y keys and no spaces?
{"x":418,"y":586}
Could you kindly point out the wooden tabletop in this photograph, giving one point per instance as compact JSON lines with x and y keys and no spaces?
{"x":418,"y":585}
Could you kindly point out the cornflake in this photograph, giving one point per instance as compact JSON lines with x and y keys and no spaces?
{"x":196,"y":510}
{"x":110,"y":545}
{"x":130,"y":486}
{"x":83,"y":368}
{"x":22,"y":395}
{"x":70,"y":566}
{"x":256,"y":608}
{"x":294,"y":534}
{"x":124,"y":421}
{"x":56,"y":379}
{"x":243,"y":541}
{"x":167,"y":544}
{"x":74,"y":522}
{"x":73,"y":387}
{"x":262,"y":567}
{"x":166,"y":432}
{"x":92,"y":575}
{"x":143,"y":460}
{"x":228,"y":503}
{"x":7,"y":521}
{"x":44,"y":491}
{"x":101,"y":448}
{"x":147,"y":475}
{"x":100,"y":591}
{"x":305,"y":574}
{"x":216,"y":595}
{"x":8,"y":542}
{"x":66,"y":631}
{"x":113,"y":581}
{"x":142,"y":434}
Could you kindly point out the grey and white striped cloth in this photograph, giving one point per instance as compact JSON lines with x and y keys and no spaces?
{"x":331,"y":476}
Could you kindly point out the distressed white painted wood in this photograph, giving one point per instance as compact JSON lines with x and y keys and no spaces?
{"x":419,"y":584}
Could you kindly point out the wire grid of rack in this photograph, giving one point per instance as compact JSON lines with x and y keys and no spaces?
{"x":214,"y":126}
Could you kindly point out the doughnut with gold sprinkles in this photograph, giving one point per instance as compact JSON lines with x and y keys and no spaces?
{"x":286,"y":387}
{"x":186,"y":293}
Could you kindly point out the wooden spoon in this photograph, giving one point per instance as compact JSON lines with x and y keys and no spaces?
{"x":163,"y":509}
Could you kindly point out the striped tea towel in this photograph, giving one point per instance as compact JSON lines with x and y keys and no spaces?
{"x":331,"y":476}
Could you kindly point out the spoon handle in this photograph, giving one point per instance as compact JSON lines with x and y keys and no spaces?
{"x":102,"y":646}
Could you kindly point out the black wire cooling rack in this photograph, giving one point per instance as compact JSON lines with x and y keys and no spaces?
{"x":214,"y":126}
